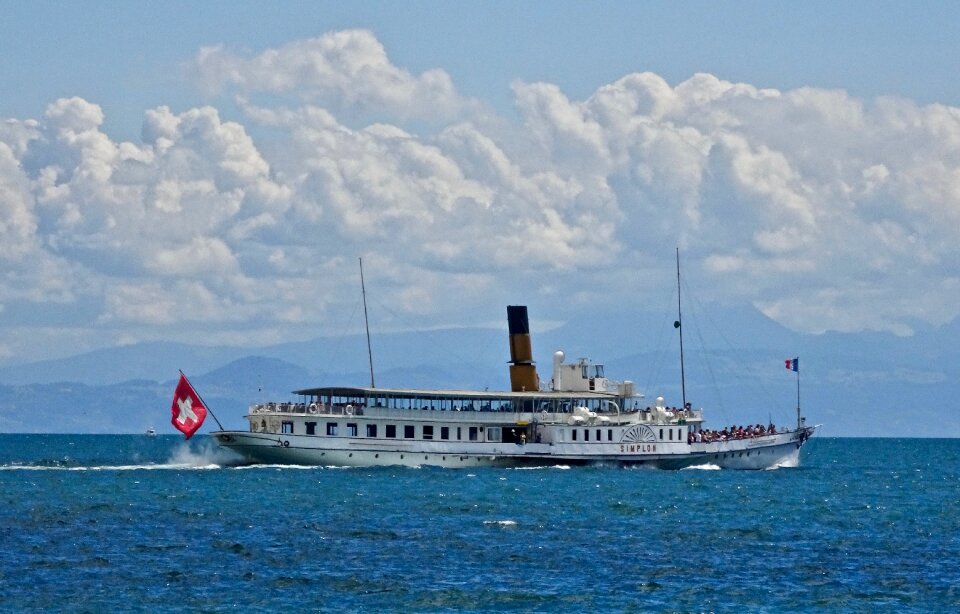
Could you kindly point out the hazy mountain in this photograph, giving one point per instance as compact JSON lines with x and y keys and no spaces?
{"x":869,"y":384}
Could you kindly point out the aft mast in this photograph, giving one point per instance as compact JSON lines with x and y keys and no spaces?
{"x":366,"y":323}
{"x":679,"y":326}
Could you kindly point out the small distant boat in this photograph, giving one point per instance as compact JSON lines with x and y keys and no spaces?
{"x":151,"y":432}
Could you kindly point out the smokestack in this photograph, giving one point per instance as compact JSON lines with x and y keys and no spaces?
{"x":523,"y":373}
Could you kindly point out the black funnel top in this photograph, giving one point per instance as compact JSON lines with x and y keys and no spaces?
{"x":517,"y":320}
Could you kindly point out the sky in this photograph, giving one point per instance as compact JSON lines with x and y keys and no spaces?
{"x":212,"y":172}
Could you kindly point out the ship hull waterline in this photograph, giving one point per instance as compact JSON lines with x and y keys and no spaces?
{"x":781,"y":450}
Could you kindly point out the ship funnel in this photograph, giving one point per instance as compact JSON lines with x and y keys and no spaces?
{"x":523,"y":373}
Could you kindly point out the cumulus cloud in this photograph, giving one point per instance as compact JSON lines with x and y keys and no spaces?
{"x":343,"y":70}
{"x":824,"y":211}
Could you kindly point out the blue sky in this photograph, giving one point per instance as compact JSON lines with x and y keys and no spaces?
{"x":167,"y":165}
{"x":128,"y":56}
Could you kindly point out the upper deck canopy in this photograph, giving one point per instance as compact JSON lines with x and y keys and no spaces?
{"x":336,"y":391}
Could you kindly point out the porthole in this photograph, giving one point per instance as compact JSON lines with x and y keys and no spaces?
{"x":376,"y":456}
{"x":350,"y":455}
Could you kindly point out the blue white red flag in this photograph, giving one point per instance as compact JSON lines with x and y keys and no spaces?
{"x":793,"y":364}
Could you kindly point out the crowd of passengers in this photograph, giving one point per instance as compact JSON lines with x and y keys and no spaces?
{"x":733,"y":432}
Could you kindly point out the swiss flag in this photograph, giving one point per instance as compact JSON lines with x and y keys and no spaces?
{"x":187,"y":409}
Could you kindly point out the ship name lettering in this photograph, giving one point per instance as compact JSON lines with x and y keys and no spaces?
{"x":642,"y":448}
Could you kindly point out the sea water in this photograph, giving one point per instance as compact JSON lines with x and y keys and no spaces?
{"x":134,"y":523}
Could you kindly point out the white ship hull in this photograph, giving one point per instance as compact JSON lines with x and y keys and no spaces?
{"x":780,"y":450}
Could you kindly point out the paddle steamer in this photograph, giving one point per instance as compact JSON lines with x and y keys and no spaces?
{"x":580,"y":417}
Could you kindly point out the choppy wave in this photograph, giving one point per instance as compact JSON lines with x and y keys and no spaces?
{"x":860,"y":527}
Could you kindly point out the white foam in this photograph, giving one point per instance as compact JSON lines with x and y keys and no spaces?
{"x":146,"y":467}
{"x":184,"y":456}
{"x":705,"y":467}
{"x":541,"y":467}
{"x":281,"y":466}
{"x":501,"y":523}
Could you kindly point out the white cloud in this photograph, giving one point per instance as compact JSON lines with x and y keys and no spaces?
{"x":201,"y":255}
{"x":825,"y":211}
{"x":345,"y":70}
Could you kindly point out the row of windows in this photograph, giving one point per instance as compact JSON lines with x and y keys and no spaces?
{"x":586,"y":435}
{"x":390,"y":431}
{"x":598,"y":434}
{"x":428,"y":431}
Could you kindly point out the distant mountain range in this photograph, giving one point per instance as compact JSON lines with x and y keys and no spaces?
{"x":868,"y":384}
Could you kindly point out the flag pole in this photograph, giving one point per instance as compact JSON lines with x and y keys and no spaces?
{"x":209,"y":410}
{"x":798,"y":393}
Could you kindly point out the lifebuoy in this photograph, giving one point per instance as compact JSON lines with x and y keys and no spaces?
{"x":286,"y":443}
{"x":348,"y":410}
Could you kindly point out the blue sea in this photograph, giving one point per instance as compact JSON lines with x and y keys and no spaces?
{"x":106,"y":523}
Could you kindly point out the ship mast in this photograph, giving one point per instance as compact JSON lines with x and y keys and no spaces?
{"x":679,"y":327}
{"x":366,"y":323}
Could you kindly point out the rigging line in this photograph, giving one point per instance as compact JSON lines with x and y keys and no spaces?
{"x":754,"y":383}
{"x":458,"y":354}
{"x":339,"y":339}
{"x":366,"y":323}
{"x":679,"y":327}
{"x":660,"y":347}
{"x":704,"y":356}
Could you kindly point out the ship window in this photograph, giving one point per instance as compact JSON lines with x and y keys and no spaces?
{"x":371,"y":430}
{"x":609,"y":434}
{"x":586,"y":434}
{"x":573,"y":434}
{"x":599,"y":437}
{"x":331,"y":428}
{"x":670,"y":432}
{"x":473,"y":433}
{"x":494,"y":433}
{"x":408,"y":431}
{"x":459,"y":437}
{"x":661,"y":434}
{"x":311,"y":428}
{"x":444,"y":432}
{"x":287,"y":427}
{"x":427,"y":432}
{"x":351,"y":430}
{"x":391,"y":430}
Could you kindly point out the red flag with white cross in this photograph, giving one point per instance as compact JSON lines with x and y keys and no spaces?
{"x":188,"y":411}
